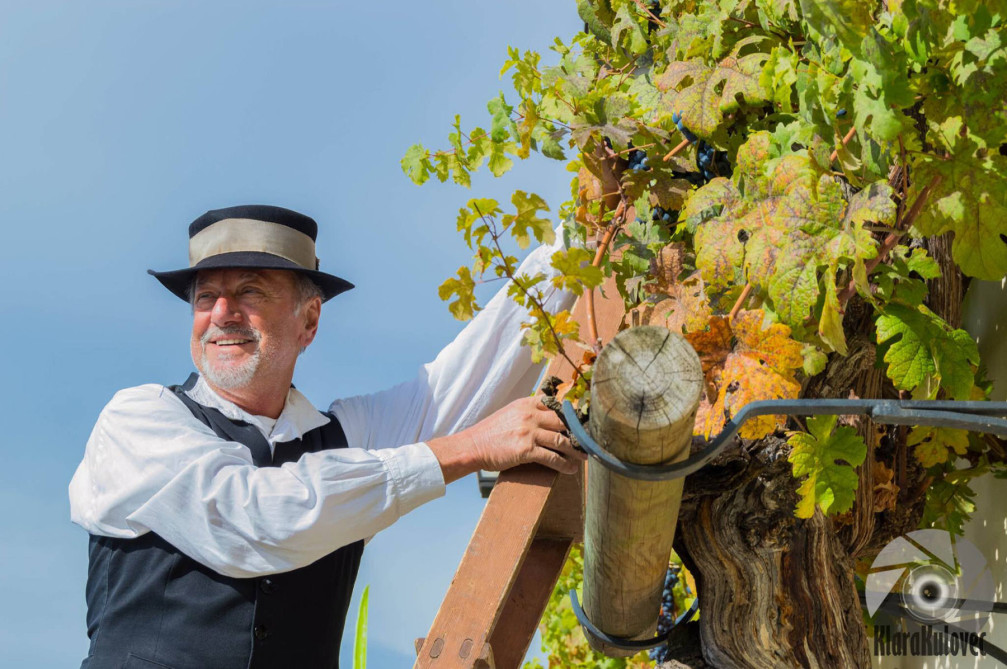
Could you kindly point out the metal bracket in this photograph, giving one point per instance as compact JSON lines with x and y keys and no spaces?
{"x":623,"y":642}
{"x":972,"y":416}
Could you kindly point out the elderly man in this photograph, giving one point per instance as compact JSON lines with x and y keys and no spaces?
{"x":227,"y":516}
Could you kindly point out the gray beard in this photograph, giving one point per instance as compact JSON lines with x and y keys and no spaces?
{"x":231,"y":376}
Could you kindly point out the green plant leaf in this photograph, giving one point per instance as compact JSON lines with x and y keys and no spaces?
{"x":527,"y":220}
{"x":416,"y":164}
{"x":827,"y":456}
{"x":921,"y":345}
{"x":847,"y":20}
{"x":712,"y":91}
{"x":360,"y":637}
{"x":464,"y":305}
{"x":576,"y":270}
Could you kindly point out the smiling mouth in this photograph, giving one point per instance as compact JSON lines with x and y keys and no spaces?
{"x":231,"y":342}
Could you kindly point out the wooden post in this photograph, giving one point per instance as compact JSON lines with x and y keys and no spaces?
{"x":644,"y":394}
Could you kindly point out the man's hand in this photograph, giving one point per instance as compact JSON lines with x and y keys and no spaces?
{"x":523,"y":431}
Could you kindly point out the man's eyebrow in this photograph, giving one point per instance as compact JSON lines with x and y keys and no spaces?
{"x":247,"y":275}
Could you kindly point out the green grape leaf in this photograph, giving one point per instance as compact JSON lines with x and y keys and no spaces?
{"x":950,"y":501}
{"x":626,"y":30}
{"x":416,"y":164}
{"x":712,"y":91}
{"x":778,"y":77}
{"x":814,"y":360}
{"x":846,"y":20}
{"x":475,"y":213}
{"x":598,"y":16}
{"x":921,"y":345}
{"x":499,"y":163}
{"x":464,"y":305}
{"x":576,"y":270}
{"x":827,"y":456}
{"x":969,"y":199}
{"x":830,"y":326}
{"x":790,"y":222}
{"x":528,"y":205}
{"x":921,"y":263}
{"x":500,"y":113}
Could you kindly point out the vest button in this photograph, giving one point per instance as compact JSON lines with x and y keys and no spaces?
{"x":267,"y":585}
{"x":260,"y":632}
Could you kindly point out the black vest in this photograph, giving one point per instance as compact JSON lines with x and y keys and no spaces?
{"x":150,"y":606}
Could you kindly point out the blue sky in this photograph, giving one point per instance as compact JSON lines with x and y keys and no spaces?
{"x":122,"y":121}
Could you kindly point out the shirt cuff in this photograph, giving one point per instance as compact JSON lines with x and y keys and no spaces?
{"x":416,"y":475}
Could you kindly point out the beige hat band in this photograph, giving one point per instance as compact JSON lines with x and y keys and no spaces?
{"x":236,"y":235}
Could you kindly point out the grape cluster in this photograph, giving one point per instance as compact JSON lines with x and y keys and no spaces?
{"x":711,"y":163}
{"x":667,"y":617}
{"x":637,"y":160}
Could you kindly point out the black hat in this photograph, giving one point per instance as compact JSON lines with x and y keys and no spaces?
{"x":252,"y":236}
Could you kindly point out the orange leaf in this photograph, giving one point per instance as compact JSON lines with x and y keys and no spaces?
{"x":713,"y":345}
{"x":745,"y":365}
{"x":773,"y":346}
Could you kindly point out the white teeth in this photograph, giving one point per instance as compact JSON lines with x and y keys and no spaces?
{"x":227,"y":342}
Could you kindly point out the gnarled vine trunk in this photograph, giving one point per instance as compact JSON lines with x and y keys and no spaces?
{"x":775,"y":590}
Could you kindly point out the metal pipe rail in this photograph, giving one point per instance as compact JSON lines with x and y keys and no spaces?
{"x":972,"y":416}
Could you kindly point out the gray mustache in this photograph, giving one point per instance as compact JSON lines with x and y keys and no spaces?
{"x":234,"y":330}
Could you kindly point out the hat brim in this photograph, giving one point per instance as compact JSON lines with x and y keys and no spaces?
{"x":178,"y":281}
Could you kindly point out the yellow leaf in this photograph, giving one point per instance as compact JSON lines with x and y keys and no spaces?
{"x":933,"y":443}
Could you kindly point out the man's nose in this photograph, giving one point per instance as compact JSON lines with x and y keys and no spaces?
{"x":225,"y":310}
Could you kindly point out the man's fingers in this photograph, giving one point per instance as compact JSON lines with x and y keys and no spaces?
{"x":554,"y":460}
{"x":560,"y":443}
{"x":540,"y":403}
{"x":548,"y":419}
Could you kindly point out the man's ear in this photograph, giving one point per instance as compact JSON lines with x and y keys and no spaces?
{"x":310,"y":314}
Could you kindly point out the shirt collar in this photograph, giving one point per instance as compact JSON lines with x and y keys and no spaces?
{"x":297,"y":418}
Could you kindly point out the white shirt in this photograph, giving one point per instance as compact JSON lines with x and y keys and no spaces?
{"x":150,"y":465}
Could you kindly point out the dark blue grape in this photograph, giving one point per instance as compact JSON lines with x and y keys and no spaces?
{"x":676,"y":118}
{"x":704,"y":156}
{"x":637,"y":160}
{"x":841,"y":113}
{"x":667,"y":617}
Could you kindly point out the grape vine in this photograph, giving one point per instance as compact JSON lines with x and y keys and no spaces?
{"x":747,"y":172}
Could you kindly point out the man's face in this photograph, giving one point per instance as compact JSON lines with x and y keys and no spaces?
{"x":247,"y":329}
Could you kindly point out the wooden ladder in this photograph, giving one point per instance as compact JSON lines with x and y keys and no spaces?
{"x":532,"y":517}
